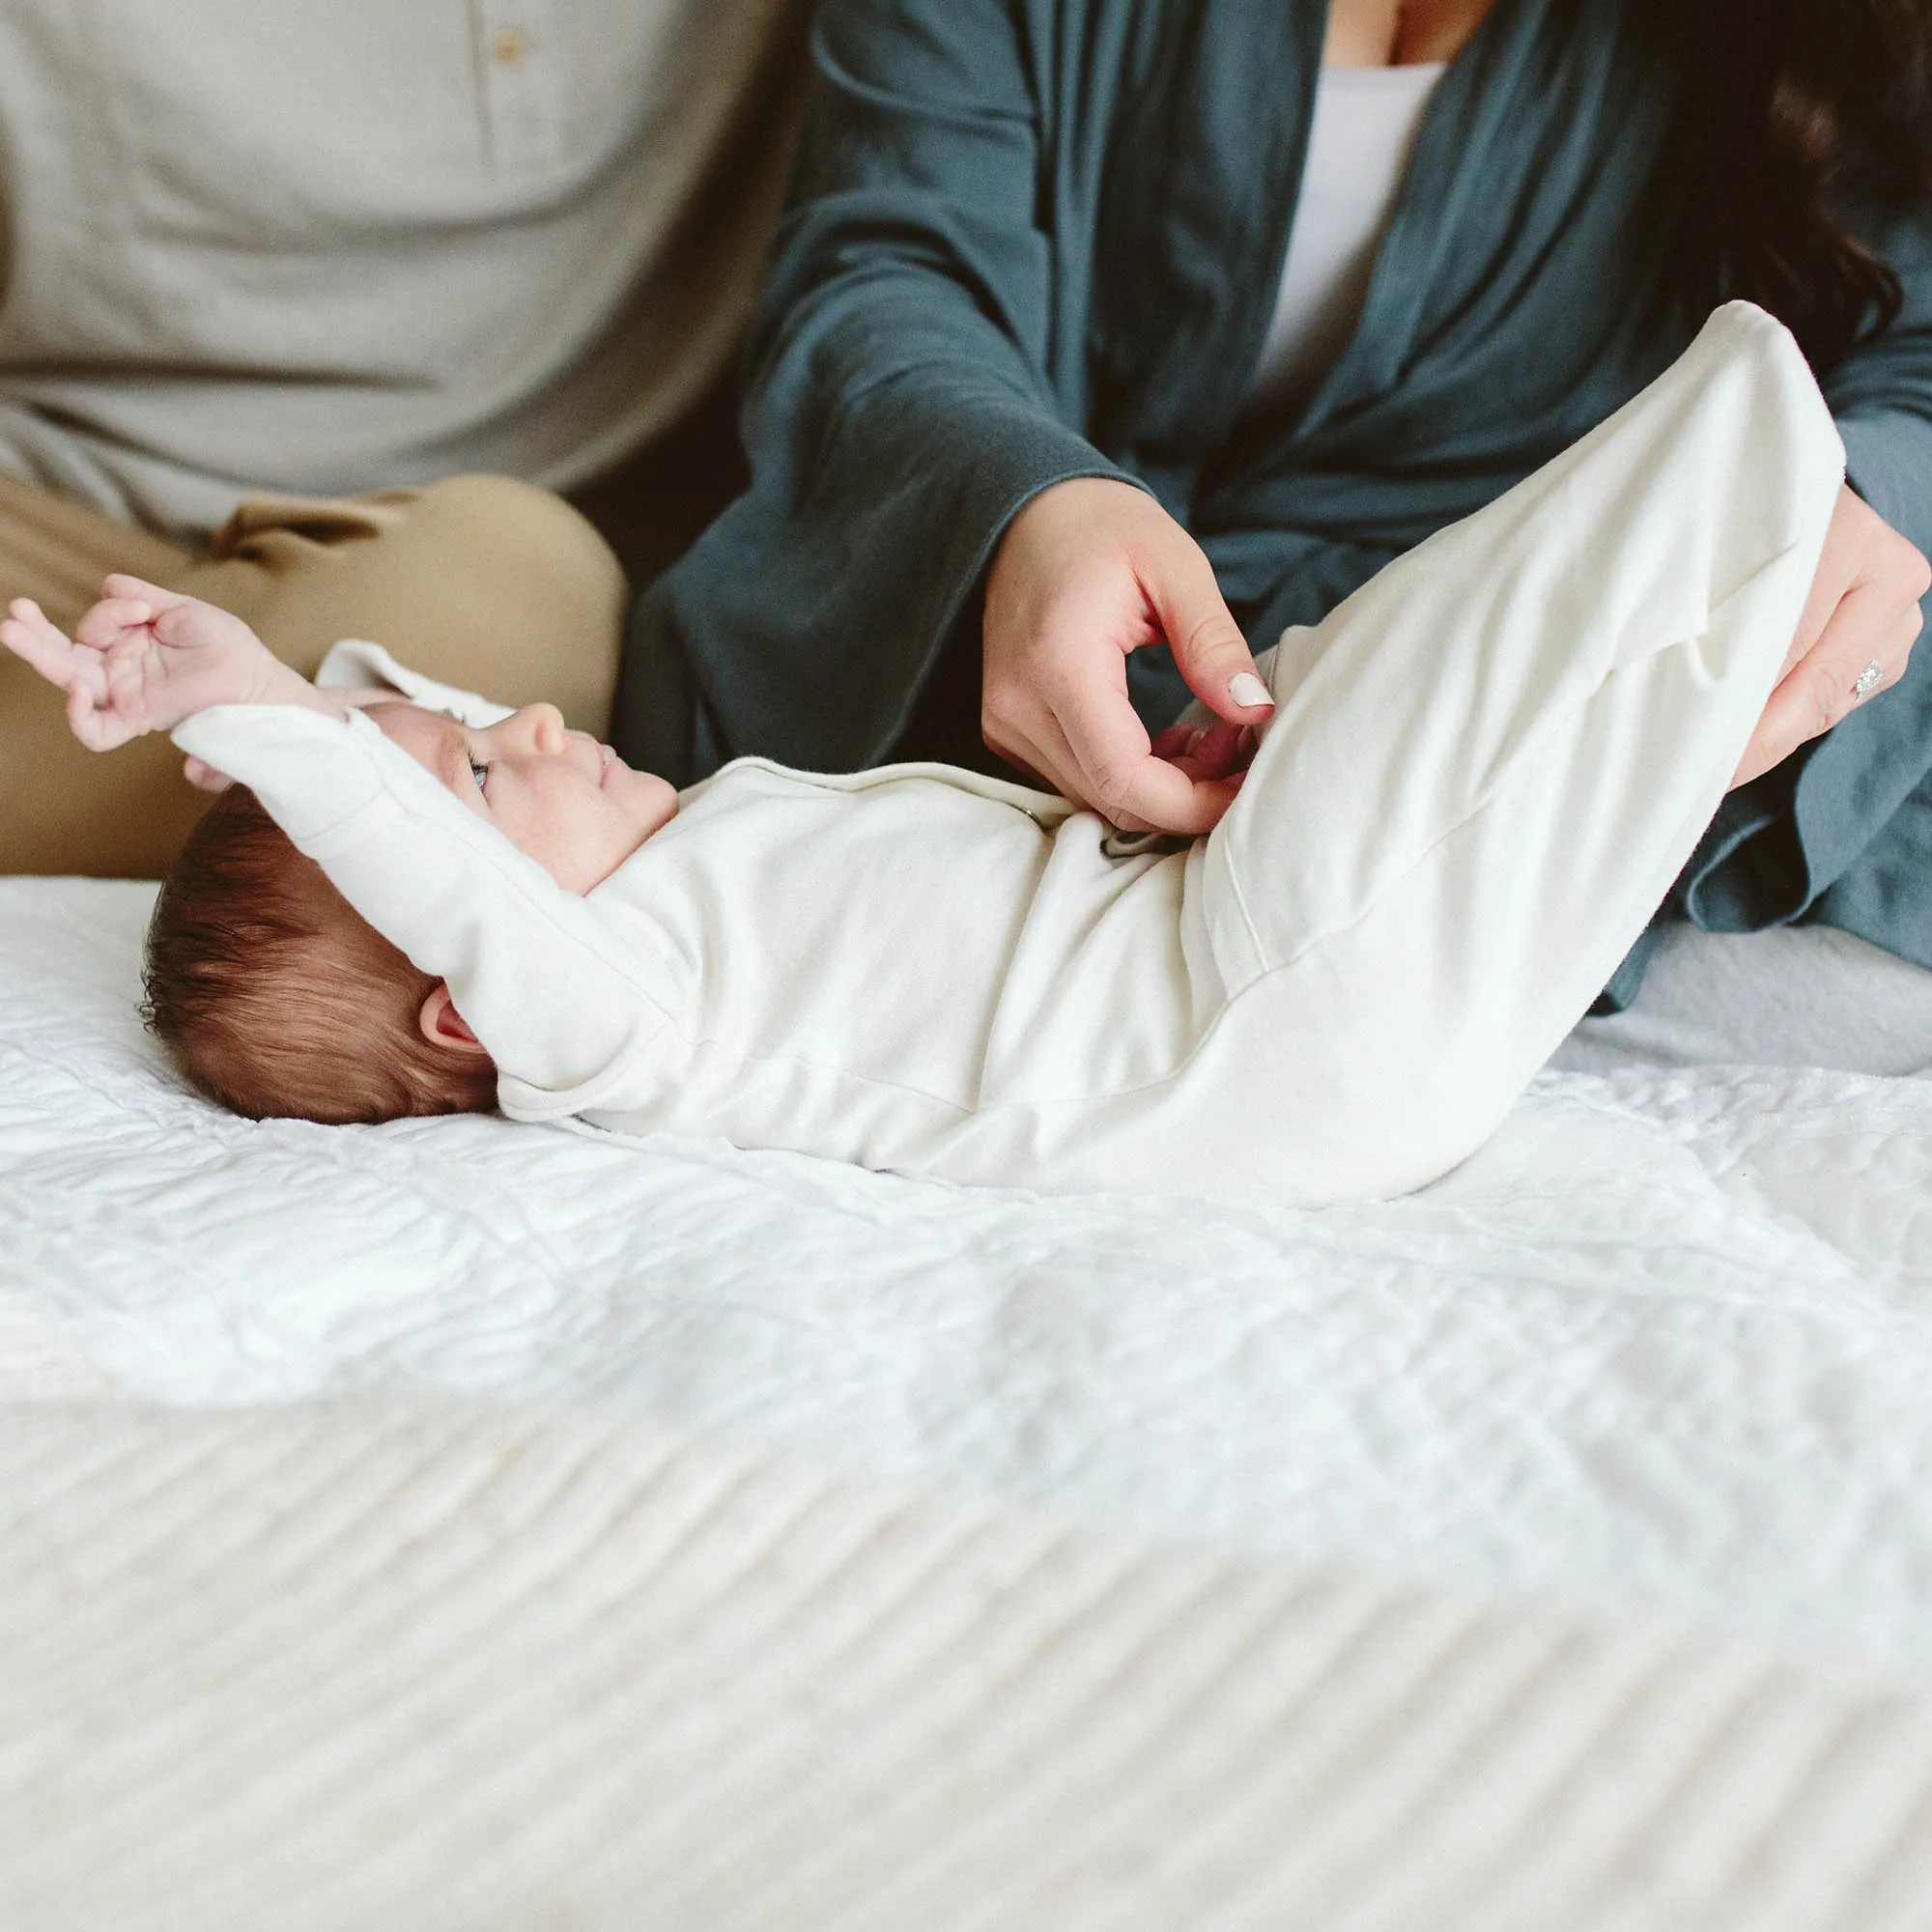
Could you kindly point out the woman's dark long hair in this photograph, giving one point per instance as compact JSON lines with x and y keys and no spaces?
{"x":1792,"y":103}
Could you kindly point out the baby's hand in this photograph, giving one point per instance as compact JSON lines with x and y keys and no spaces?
{"x":1216,"y":749}
{"x":143,"y":659}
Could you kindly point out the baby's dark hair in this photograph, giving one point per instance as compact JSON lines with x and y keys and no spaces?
{"x":274,"y":998}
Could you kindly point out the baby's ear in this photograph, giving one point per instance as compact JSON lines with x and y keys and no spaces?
{"x":444,"y":1026}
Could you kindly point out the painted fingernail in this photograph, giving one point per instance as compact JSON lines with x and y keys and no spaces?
{"x":1246,"y":689}
{"x":1194,"y":739}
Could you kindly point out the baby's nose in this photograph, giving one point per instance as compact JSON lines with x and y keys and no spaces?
{"x":543,"y":724}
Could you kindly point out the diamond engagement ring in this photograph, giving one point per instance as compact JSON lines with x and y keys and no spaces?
{"x":1868,"y":681}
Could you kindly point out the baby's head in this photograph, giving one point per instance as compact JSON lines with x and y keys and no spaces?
{"x":274,"y":998}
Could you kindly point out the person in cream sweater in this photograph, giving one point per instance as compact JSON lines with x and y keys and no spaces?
{"x":309,"y":309}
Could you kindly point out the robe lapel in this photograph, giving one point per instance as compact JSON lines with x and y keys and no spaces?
{"x":1542,"y":134}
{"x":1515,"y":300}
{"x":1540,"y":140}
{"x":1203,"y":171}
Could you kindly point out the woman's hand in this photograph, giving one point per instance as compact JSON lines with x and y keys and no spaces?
{"x":1087,"y":572}
{"x":1863,"y":611}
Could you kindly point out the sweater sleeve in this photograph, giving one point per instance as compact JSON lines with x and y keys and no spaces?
{"x":1790,"y":845}
{"x":901,"y":410}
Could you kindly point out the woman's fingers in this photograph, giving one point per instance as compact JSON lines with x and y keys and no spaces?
{"x":1091,"y":747}
{"x":1863,"y":610}
{"x":1840,"y":566}
{"x":1031,"y":760}
{"x":1867,"y":627}
{"x":1087,"y":572}
{"x":1207,"y":645}
{"x":1186,"y":795}
{"x":1119,"y":775}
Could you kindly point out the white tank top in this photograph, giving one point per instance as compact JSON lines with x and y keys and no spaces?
{"x":1365,"y":124}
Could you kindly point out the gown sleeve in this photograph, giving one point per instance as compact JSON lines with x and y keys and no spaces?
{"x":539,"y":975}
{"x":356,"y":662}
{"x":900,"y":413}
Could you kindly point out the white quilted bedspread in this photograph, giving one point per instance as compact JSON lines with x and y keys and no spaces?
{"x":1665,"y":1347}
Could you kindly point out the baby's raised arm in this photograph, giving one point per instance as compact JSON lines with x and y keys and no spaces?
{"x":143,"y":659}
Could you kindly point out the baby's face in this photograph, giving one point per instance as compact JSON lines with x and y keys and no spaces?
{"x":558,"y":795}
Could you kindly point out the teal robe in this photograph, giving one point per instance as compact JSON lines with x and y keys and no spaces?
{"x":1035,"y":239}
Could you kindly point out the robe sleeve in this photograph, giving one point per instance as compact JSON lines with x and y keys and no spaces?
{"x":900,"y":413}
{"x":1818,"y":838}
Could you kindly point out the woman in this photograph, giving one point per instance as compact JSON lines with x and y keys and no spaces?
{"x":1021,"y":409}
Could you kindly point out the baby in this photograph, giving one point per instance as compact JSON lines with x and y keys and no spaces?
{"x":270,"y":993}
{"x":1483,"y":773}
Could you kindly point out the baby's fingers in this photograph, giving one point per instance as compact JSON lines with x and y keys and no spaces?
{"x":32,"y":637}
{"x":1210,"y":751}
{"x":118,"y":585}
{"x":110,"y":620}
{"x":1176,"y":742}
{"x":29,"y":635}
{"x":204,"y":777}
{"x":98,"y":729}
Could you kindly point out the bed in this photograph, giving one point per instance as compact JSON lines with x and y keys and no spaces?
{"x":463,"y":1523}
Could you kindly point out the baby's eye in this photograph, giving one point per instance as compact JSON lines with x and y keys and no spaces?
{"x":479,"y":772}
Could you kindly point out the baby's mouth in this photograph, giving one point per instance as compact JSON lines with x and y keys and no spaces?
{"x":606,"y":759}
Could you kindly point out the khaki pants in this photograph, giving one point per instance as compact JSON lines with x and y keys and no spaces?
{"x":477,"y":580}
